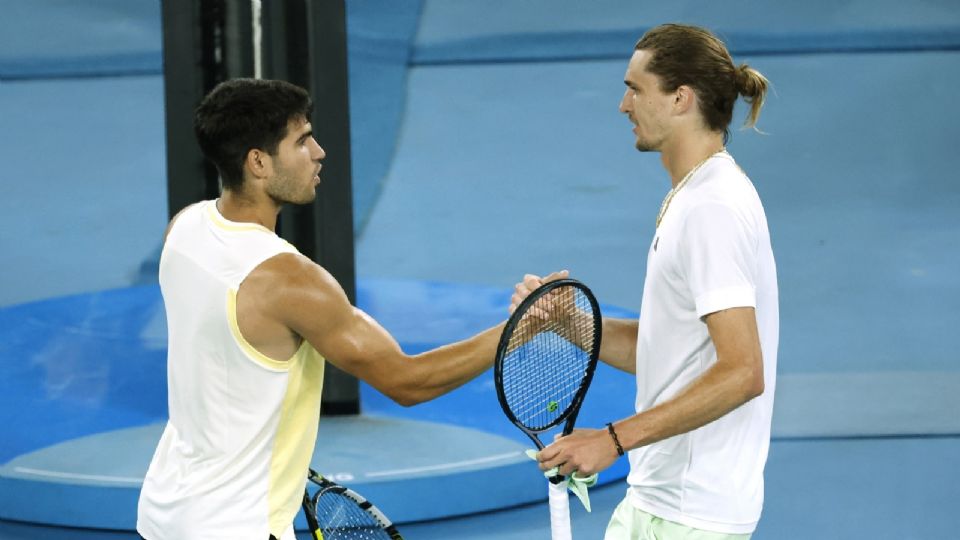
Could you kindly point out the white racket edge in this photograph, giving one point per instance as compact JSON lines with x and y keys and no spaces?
{"x":559,"y":512}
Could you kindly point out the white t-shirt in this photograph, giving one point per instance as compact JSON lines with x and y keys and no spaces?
{"x":232,"y":461}
{"x":711,"y":252}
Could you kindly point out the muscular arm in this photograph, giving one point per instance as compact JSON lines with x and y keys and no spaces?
{"x":737,"y":377}
{"x":307,"y":299}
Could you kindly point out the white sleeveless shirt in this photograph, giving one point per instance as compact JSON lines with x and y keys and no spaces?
{"x":232,"y":460}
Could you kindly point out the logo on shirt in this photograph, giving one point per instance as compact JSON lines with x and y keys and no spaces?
{"x":655,"y":242}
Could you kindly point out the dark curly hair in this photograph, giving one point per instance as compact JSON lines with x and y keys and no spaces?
{"x":242,"y":114}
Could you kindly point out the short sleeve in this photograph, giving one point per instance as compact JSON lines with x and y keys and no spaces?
{"x":718,"y":258}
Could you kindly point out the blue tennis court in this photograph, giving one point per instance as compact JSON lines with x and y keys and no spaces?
{"x":487,"y":144}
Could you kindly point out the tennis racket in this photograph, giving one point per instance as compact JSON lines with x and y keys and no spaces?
{"x":545,"y":361}
{"x":335,"y":512}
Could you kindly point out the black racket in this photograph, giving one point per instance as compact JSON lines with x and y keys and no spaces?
{"x":339,"y":513}
{"x":545,"y":361}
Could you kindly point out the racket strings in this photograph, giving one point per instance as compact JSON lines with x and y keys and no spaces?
{"x":548,"y":357}
{"x":538,"y":410}
{"x":342,"y":518}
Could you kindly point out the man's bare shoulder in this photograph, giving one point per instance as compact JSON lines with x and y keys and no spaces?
{"x":288,"y":270}
{"x":288,"y":282}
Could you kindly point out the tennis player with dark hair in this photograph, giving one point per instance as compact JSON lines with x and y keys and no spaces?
{"x":704,"y":350}
{"x":250,"y":323}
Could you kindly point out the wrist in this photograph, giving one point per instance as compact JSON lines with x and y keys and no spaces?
{"x":615,"y":438}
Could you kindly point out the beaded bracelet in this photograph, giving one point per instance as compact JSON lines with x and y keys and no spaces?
{"x":616,"y":441}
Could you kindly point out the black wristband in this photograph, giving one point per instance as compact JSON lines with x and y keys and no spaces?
{"x":616,"y":441}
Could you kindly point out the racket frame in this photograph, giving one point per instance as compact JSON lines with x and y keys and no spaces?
{"x":557,"y":493}
{"x":573,"y":410}
{"x":326,"y":485}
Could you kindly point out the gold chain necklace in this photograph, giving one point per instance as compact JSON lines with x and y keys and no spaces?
{"x":666,"y":200}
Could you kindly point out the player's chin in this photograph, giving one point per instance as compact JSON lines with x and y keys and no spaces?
{"x":643,"y":146}
{"x":306,"y":197}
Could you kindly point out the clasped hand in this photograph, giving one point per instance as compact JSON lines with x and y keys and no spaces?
{"x":586,"y":451}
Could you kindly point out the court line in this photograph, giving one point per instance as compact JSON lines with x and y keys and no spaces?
{"x":379,"y":474}
{"x":79,"y":476}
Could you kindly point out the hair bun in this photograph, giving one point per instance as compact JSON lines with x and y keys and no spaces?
{"x":742,"y":77}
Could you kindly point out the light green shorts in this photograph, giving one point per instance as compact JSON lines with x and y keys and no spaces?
{"x":628,"y":523}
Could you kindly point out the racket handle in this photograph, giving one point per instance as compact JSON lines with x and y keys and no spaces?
{"x":559,"y":512}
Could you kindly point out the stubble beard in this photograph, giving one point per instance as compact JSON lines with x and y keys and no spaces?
{"x":645,"y":146}
{"x":285,"y":190}
{"x":648,"y":143}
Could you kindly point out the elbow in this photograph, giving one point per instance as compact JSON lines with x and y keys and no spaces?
{"x":407,"y":394}
{"x":401,"y":395}
{"x":403,"y":383}
{"x":753,"y":381}
{"x":406,"y":399}
{"x":755,"y":389}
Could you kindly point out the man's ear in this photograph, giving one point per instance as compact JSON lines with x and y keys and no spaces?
{"x":684,"y":99}
{"x":258,"y":163}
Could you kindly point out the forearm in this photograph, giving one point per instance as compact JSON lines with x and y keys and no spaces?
{"x":618,"y":347}
{"x":438,"y":371}
{"x":364,"y":349}
{"x":720,"y":390}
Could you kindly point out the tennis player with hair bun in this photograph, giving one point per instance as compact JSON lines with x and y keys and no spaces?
{"x":704,"y":349}
{"x":250,"y":322}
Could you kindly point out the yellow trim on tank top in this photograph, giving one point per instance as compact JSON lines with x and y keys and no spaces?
{"x":295,"y":438}
{"x":227,"y":225}
{"x":252,"y":352}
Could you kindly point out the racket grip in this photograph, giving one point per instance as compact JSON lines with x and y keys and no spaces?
{"x":559,"y":512}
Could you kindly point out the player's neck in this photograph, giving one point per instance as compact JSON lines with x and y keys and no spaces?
{"x":682,"y":155}
{"x":242,"y":208}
